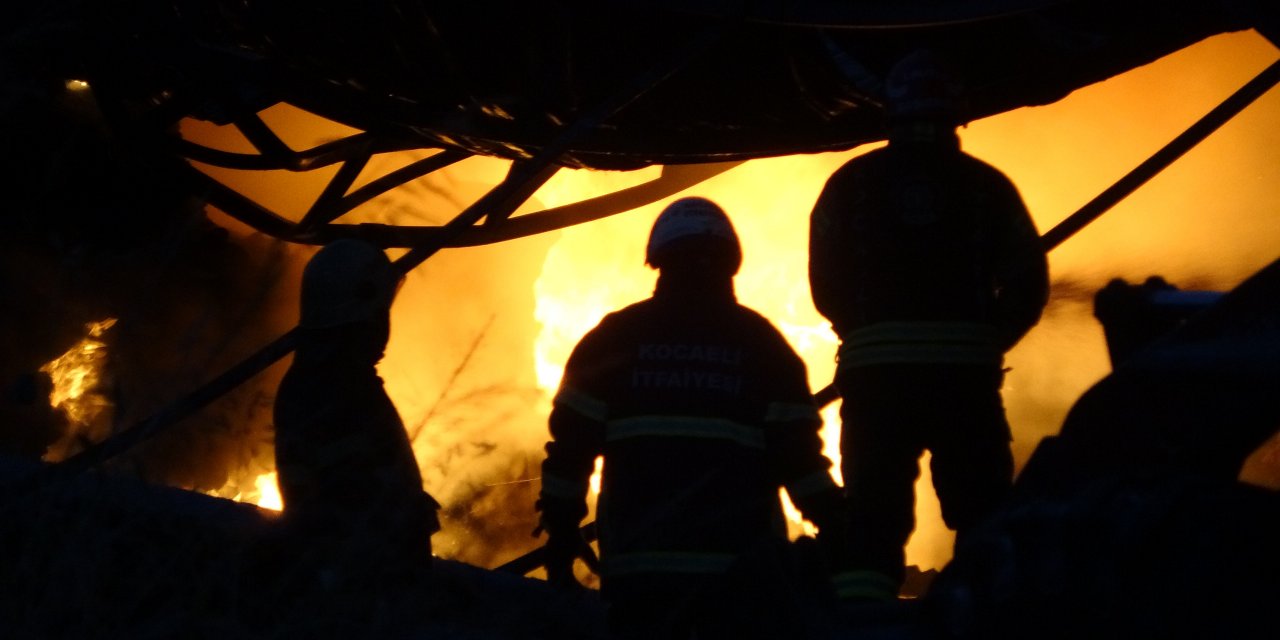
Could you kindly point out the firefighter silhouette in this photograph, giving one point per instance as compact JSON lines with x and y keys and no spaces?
{"x":701,"y":411}
{"x":351,"y":487}
{"x":928,"y":266}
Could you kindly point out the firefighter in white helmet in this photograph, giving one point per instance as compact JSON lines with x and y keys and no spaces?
{"x":350,"y":484}
{"x":929,"y":268}
{"x":701,"y":411}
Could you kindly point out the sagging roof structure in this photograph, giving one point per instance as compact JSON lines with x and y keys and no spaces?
{"x":694,"y":87}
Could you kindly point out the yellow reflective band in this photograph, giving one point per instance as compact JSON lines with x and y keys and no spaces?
{"x":865,"y":584}
{"x":920,"y":343}
{"x":811,"y":484}
{"x":667,"y":562}
{"x":585,"y":404}
{"x":791,"y":411}
{"x":685,"y":427}
{"x":562,"y":488}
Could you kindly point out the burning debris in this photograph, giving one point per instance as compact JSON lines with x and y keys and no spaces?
{"x":76,"y":377}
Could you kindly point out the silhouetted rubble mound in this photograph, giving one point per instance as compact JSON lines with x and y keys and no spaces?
{"x":100,"y":556}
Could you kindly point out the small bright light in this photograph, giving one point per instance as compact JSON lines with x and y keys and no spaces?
{"x":77,"y":85}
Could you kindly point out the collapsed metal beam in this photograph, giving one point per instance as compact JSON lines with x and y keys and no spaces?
{"x":314,"y":158}
{"x":673,"y":180}
{"x":514,"y":190}
{"x":330,"y":205}
{"x":354,"y":152}
{"x":1159,"y":161}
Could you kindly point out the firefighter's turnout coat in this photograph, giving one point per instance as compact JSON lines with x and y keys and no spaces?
{"x":929,"y":268}
{"x":701,"y":411}
{"x":348,"y":476}
{"x":921,"y":253}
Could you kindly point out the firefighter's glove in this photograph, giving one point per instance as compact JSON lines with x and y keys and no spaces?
{"x":561,"y":551}
{"x":564,"y":541}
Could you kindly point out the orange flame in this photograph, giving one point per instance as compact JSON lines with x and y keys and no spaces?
{"x":75,"y":375}
{"x":265,"y":492}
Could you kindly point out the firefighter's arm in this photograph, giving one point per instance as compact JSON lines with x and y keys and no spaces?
{"x":792,"y":428}
{"x":567,"y":469}
{"x":805,"y":473}
{"x":577,"y":438}
{"x":566,"y":474}
{"x":1021,"y":271}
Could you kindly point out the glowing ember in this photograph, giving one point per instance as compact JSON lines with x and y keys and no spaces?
{"x":76,"y":374}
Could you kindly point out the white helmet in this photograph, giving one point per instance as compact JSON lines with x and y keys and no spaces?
{"x":690,"y":217}
{"x":347,"y":281}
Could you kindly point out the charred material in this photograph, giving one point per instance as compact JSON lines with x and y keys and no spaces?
{"x":104,"y":556}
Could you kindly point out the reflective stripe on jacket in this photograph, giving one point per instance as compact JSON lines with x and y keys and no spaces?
{"x":920,"y":342}
{"x":924,"y":233}
{"x":702,"y":411}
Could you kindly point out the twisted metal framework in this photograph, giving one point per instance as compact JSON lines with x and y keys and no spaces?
{"x":487,"y":220}
{"x":317,"y":226}
{"x":353,"y":153}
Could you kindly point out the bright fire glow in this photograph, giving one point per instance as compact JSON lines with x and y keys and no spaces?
{"x":599,"y":267}
{"x":268,"y":487}
{"x":1197,"y":224}
{"x":1059,"y":156}
{"x":76,"y":373}
{"x":265,"y":492}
